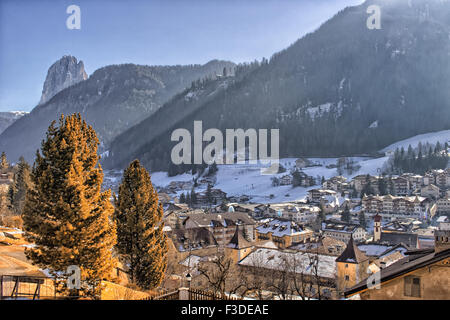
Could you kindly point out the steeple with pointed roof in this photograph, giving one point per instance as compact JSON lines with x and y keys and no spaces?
{"x":238,"y":241}
{"x":352,"y":254}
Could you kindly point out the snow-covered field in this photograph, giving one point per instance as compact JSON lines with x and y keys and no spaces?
{"x":246,"y":179}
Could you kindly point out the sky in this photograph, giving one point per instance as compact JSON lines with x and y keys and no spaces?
{"x":33,"y":35}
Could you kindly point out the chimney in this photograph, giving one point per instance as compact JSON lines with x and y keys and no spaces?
{"x":441,"y":240}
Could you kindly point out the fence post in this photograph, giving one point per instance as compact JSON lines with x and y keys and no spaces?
{"x":183,"y":293}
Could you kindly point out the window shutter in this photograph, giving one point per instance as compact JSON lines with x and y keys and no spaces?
{"x":407,"y":289}
{"x":412,"y":286}
{"x":415,"y":287}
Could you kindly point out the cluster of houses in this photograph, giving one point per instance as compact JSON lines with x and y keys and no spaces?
{"x":398,"y":228}
{"x":433,"y":184}
{"x":345,"y":250}
{"x":403,"y":206}
{"x":408,"y":195}
{"x":347,"y":254}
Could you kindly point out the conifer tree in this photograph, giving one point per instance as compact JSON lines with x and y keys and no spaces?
{"x":209,"y":196}
{"x":362,"y":219}
{"x":4,"y":164}
{"x":66,"y":215}
{"x":18,"y":190}
{"x":182,"y":198}
{"x":322,"y":216}
{"x":193,"y":197}
{"x":140,"y":235}
{"x":382,"y":186}
{"x":346,"y":214}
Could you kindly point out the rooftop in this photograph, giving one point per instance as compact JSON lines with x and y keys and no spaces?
{"x":238,"y":241}
{"x":274,"y":260}
{"x":339,"y":226}
{"x":352,"y":254}
{"x":280,"y":228}
{"x":414,"y":260}
{"x":192,"y":239}
{"x":394,"y":238}
{"x":225,"y":219}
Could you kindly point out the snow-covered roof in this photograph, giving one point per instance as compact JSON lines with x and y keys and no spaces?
{"x":334,"y":201}
{"x":339,"y":226}
{"x":374,"y":249}
{"x":273,"y":259}
{"x":191,"y":261}
{"x":280,"y":228}
{"x":269,"y":244}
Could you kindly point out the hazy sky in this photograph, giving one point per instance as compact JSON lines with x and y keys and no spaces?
{"x":33,"y":35}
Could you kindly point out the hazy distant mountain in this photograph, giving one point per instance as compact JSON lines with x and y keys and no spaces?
{"x":7,"y":118}
{"x":63,"y":73}
{"x":341,"y":90}
{"x":136,"y":140}
{"x":112,"y":99}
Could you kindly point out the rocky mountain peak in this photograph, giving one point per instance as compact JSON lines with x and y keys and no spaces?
{"x":64,"y":73}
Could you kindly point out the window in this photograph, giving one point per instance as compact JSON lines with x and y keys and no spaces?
{"x":346,"y":265}
{"x":347,"y":278}
{"x":412,"y":286}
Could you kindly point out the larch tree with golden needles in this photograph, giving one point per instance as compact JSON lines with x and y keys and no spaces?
{"x":140,"y":237}
{"x":66,"y":215}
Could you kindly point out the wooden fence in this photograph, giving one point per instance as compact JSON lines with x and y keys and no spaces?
{"x":206,"y":295}
{"x":26,"y":287}
{"x":191,"y":294}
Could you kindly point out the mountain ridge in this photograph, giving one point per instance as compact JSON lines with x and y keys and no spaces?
{"x":112,"y":99}
{"x":326,"y":90}
{"x":9,"y":117}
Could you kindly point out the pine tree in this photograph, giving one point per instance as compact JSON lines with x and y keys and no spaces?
{"x":382,"y":186}
{"x":367,"y":189}
{"x":140,"y":235}
{"x":209,"y":196}
{"x":322,"y":216}
{"x":66,"y":215}
{"x":362,"y":219}
{"x":182,"y":198}
{"x":4,"y":164}
{"x":437,"y":148}
{"x":297,"y":178}
{"x":188,"y":199}
{"x":193,"y":197}
{"x":212,"y":169}
{"x":18,"y":190}
{"x":346,"y":214}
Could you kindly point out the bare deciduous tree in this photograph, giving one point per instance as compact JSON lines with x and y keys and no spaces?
{"x":219,"y":274}
{"x":254,"y":277}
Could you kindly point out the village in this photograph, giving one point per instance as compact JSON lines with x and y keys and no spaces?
{"x":346,"y":222}
{"x":324,"y":246}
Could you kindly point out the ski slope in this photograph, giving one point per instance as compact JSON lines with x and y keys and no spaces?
{"x":246,"y":179}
